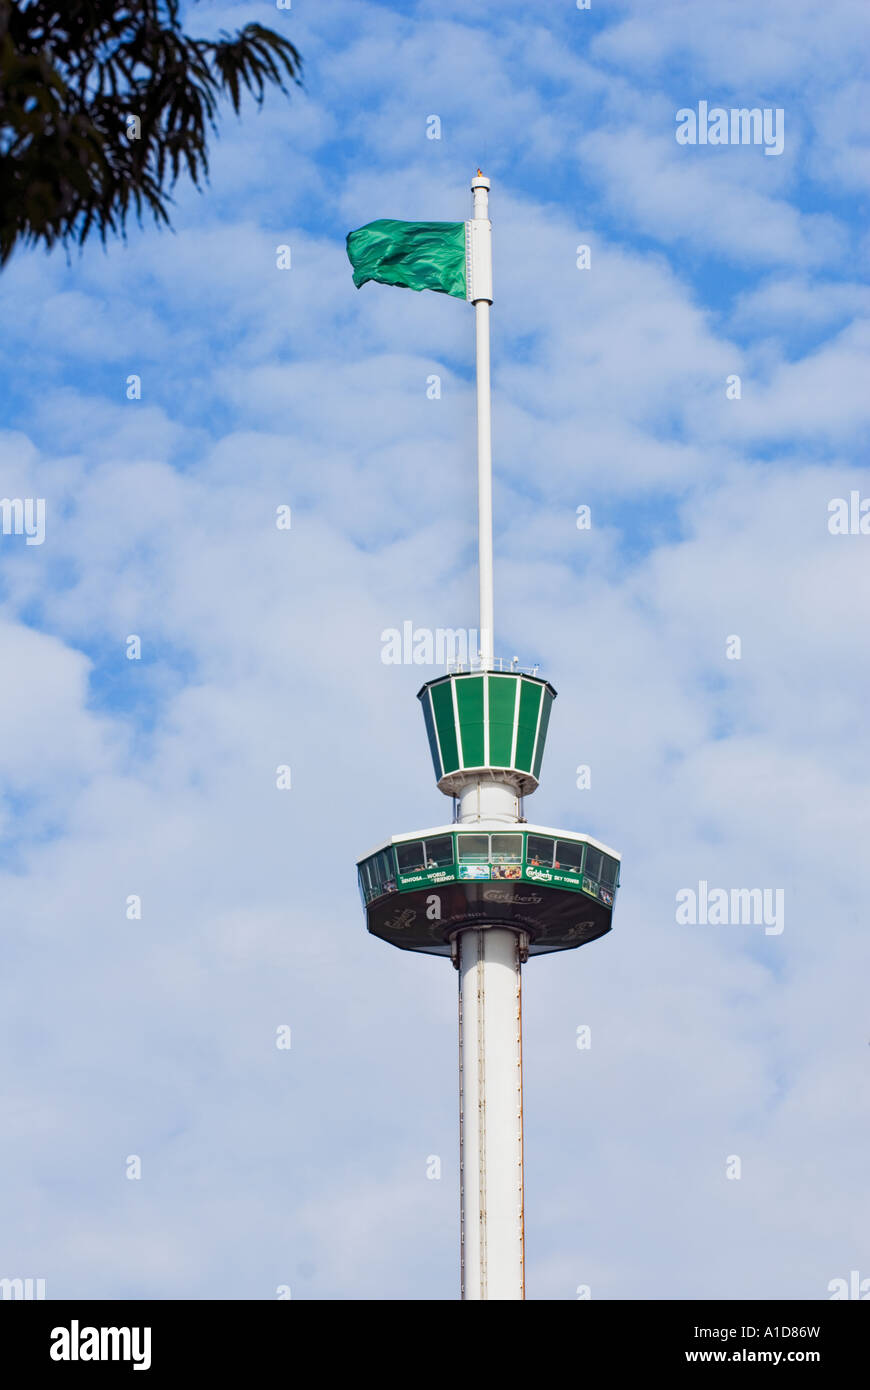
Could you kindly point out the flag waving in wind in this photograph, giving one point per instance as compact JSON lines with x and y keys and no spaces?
{"x":415,"y":255}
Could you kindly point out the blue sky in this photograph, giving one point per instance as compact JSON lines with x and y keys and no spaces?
{"x":260,"y":387}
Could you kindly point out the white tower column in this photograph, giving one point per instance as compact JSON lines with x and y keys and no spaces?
{"x":484,"y":799}
{"x":491,"y":1113}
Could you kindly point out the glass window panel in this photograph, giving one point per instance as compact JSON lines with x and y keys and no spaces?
{"x":411,"y":858}
{"x":569,"y":855}
{"x":473,"y":849}
{"x":381,"y":870}
{"x":609,"y":871}
{"x":372,"y":877}
{"x":439,"y":851}
{"x":540,"y":851}
{"x":594,"y":859}
{"x":388,"y":869}
{"x":507,"y":849}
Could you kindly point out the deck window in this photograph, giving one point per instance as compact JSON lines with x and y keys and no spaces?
{"x":610,"y":871}
{"x":594,"y":860}
{"x":473,"y":849}
{"x":507,"y":849}
{"x":439,"y":852}
{"x":381,"y":871}
{"x":539,"y":851}
{"x":569,"y":855}
{"x":411,"y":858}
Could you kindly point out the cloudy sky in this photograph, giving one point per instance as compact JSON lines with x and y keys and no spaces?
{"x":260,"y":388}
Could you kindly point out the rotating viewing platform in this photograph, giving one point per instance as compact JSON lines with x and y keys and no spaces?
{"x":489,"y":867}
{"x":557,"y":887}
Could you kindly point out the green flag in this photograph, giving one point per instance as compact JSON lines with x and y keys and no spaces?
{"x":415,"y":255}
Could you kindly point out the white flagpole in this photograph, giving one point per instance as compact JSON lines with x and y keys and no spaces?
{"x":489,"y":957}
{"x":480,"y":293}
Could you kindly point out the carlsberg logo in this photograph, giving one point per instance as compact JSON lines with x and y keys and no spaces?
{"x":76,"y":1343}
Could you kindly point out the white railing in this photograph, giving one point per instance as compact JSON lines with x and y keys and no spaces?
{"x":499,"y":663}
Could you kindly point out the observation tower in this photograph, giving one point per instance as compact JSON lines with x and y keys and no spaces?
{"x":487,"y":888}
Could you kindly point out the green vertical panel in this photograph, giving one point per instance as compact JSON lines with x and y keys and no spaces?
{"x":442,"y":703}
{"x":502,"y":698}
{"x":542,"y":732}
{"x":430,"y":734}
{"x":469,"y":701}
{"x":530,"y":704}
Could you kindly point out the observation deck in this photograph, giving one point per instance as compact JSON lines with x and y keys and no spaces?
{"x":558,"y":887}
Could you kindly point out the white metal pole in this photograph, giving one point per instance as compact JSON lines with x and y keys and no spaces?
{"x":491,"y":1113}
{"x":481,"y":297}
{"x":489,"y":958}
